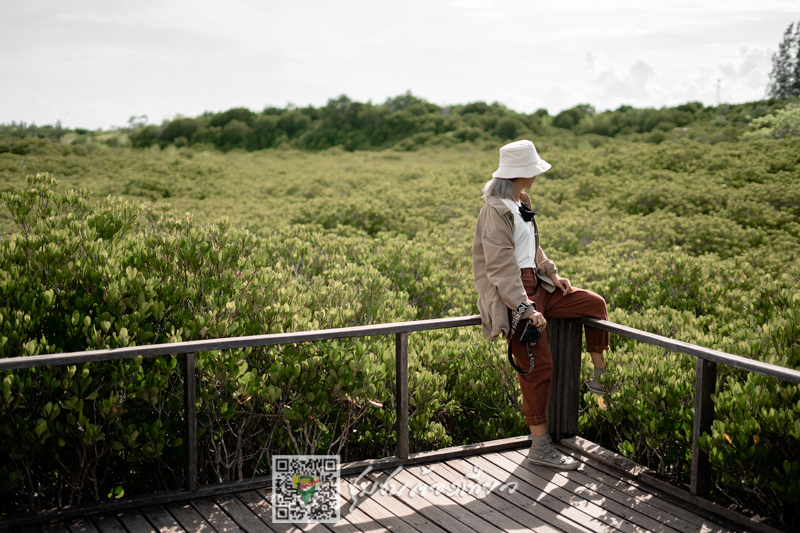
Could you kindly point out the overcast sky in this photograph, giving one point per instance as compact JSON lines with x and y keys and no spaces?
{"x":94,"y":64}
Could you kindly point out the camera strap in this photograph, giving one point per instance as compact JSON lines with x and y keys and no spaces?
{"x":514,"y":323}
{"x":515,"y":318}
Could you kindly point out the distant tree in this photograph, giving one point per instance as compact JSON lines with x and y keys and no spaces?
{"x":398,"y":103}
{"x":136,"y":122}
{"x":782,"y":123}
{"x":265,"y":131}
{"x":475,"y":107}
{"x":180,"y":127}
{"x":570,"y":118}
{"x":506,"y":128}
{"x":242,"y":114}
{"x":785,"y":75}
{"x":340,"y":113}
{"x":145,"y":136}
{"x":234,"y":135}
{"x":293,"y":123}
{"x":691,"y":107}
{"x":412,"y":105}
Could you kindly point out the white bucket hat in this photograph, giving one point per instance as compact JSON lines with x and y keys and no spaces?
{"x":520,"y":160}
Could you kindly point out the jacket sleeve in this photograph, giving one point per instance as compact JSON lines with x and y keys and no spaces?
{"x":543,"y":264}
{"x":502,"y":269}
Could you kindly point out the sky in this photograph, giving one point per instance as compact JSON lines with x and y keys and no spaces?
{"x":96,"y":64}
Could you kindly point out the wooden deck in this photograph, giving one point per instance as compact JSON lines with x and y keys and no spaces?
{"x":590,"y":499}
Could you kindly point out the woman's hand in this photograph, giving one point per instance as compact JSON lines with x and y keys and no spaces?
{"x":562,"y":284}
{"x":538,"y":320}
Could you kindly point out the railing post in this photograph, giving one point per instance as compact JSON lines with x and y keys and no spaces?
{"x":401,"y":393}
{"x":564,"y":338}
{"x":190,"y":412}
{"x":705,"y":386}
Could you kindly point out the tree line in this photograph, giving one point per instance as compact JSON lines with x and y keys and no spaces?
{"x":406,"y":122}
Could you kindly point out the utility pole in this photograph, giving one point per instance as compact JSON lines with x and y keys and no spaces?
{"x":718,"y":92}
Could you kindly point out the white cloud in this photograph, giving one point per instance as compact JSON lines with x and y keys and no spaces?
{"x":751,"y":68}
{"x":632,"y":88}
{"x":590,"y":61}
{"x":743,"y":76}
{"x":740,"y":78}
{"x":471,"y":4}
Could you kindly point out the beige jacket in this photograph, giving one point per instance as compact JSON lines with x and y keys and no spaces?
{"x":495,"y":268}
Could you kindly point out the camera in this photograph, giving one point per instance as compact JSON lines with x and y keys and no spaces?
{"x":529,"y":334}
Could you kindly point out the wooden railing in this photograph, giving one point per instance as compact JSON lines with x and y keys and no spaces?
{"x":705,"y":382}
{"x":564,"y":337}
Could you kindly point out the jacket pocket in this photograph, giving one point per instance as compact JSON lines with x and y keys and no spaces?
{"x":546,"y":282}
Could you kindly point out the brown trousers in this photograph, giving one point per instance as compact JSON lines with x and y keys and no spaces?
{"x":579,"y":303}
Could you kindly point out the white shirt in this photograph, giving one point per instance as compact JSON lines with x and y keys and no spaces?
{"x":524,"y":237}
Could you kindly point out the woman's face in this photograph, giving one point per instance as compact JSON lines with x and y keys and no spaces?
{"x":528,"y":182}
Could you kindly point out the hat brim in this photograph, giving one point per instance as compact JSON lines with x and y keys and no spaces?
{"x":522,"y":172}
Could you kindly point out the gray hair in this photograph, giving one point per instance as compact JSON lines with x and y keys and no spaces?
{"x":499,"y":188}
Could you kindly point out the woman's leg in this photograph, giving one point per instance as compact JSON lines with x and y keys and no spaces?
{"x":578,"y":304}
{"x":582,"y":303}
{"x":535,"y":385}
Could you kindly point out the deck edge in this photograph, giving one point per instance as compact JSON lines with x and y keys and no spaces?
{"x":648,"y":477}
{"x":256,"y":483}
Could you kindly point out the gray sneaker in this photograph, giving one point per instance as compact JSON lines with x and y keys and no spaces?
{"x":595,"y":386}
{"x":543,"y":453}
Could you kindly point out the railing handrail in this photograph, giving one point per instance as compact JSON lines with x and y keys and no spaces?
{"x":709,"y":354}
{"x":229,"y":343}
{"x":251,"y":341}
{"x":704,"y":388}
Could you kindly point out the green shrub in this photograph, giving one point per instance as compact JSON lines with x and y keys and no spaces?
{"x":80,"y":275}
{"x":694,"y":238}
{"x":783,"y":123}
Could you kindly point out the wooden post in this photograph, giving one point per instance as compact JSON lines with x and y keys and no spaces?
{"x":401,"y":393}
{"x":564,"y":338}
{"x":190,"y":411}
{"x":705,"y":387}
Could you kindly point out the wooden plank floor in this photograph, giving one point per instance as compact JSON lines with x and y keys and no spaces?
{"x":590,"y":499}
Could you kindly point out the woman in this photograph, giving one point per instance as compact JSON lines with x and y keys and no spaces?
{"x":516,"y":281}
